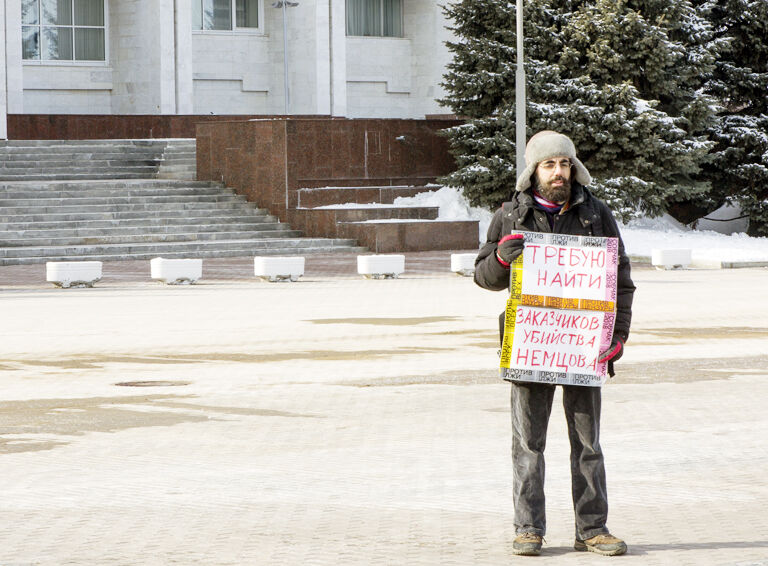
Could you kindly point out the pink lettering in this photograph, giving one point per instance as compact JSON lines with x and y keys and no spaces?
{"x":598,"y":259}
{"x":549,"y":253}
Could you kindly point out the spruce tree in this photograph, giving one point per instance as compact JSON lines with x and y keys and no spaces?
{"x":480,"y":83}
{"x":739,"y":171}
{"x":622,"y":78}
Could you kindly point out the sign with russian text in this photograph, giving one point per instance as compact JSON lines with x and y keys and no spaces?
{"x":561,"y":309}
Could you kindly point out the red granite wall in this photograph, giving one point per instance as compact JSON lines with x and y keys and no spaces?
{"x":94,"y":126}
{"x":269,"y":160}
{"x":249,"y":157}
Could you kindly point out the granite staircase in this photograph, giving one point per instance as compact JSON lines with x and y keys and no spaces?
{"x":58,"y":160}
{"x":103,"y":200}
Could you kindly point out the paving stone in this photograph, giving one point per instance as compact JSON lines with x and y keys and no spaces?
{"x":323,"y":422}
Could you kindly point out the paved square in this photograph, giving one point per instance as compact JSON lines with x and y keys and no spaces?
{"x":346,"y":421}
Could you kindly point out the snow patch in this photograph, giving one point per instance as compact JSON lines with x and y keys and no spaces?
{"x":645,"y":234}
{"x":452,"y":205}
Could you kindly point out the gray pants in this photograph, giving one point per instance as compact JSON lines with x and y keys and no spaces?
{"x":531,"y":407}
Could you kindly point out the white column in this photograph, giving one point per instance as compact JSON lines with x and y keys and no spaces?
{"x":183,"y":50}
{"x":14,"y":81}
{"x":3,"y":79}
{"x":166,"y":28}
{"x":316,"y":53}
{"x":302,"y":47}
{"x":338,"y":56}
{"x":420,"y":28}
{"x":322,"y":61}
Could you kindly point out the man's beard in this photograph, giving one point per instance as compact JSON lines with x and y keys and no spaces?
{"x":558,"y":194}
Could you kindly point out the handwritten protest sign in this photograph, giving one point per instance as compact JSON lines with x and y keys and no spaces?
{"x":561,"y":309}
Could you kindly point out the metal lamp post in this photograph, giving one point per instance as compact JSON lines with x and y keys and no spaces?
{"x":520,"y":93}
{"x":284,"y":5}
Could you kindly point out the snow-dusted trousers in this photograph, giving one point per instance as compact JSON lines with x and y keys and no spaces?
{"x":531,"y":407}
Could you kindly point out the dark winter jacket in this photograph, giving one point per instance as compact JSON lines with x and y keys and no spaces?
{"x":586,"y":216}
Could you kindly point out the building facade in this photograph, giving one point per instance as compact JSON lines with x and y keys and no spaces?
{"x":345,"y":58}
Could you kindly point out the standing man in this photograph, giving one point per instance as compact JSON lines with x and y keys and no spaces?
{"x":550,"y":196}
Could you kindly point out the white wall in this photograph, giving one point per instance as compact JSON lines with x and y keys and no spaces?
{"x":232,"y":73}
{"x":425,"y":25}
{"x":142,"y":52}
{"x":67,"y":89}
{"x":58,"y":88}
{"x":378,"y":77}
{"x":399,"y":77}
{"x":243,"y":72}
{"x":158,"y":65}
{"x":141,"y":76}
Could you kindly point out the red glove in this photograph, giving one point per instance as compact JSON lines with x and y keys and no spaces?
{"x":614,"y":351}
{"x":509,"y":248}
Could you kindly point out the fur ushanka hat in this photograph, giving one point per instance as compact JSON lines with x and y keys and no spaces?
{"x":546,"y":145}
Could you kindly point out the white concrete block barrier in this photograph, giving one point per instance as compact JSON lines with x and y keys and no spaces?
{"x":671,"y":259}
{"x":67,"y":274}
{"x":275,"y":268}
{"x":176,"y":271}
{"x":388,"y":266}
{"x":463,"y":264}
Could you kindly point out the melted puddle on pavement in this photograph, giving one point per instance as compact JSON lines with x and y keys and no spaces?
{"x":27,"y":426}
{"x":689,"y":370}
{"x":667,"y":371}
{"x":97,"y":362}
{"x":385,"y":321}
{"x":697,"y":333}
{"x":454,"y":377}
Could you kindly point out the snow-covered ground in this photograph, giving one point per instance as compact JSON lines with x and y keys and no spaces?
{"x":640,"y":236}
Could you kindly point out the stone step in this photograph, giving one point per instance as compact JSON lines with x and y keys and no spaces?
{"x":82,"y":156}
{"x":114,"y":231}
{"x":389,"y":236}
{"x":96,"y":143}
{"x":325,"y":196}
{"x":181,"y":174}
{"x":171,"y":169}
{"x":95,"y":192}
{"x":143,"y":222}
{"x":29,"y":242}
{"x":148,"y":215}
{"x":139,"y":250}
{"x":92,"y":167}
{"x":172,"y":160}
{"x":58,"y":152}
{"x":85,"y":201}
{"x":78,"y":176}
{"x":108,"y":184}
{"x":362,"y":213}
{"x":179,"y":207}
{"x":37,"y":165}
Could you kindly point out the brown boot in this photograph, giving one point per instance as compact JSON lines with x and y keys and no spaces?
{"x":527,"y":544}
{"x":605,"y":544}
